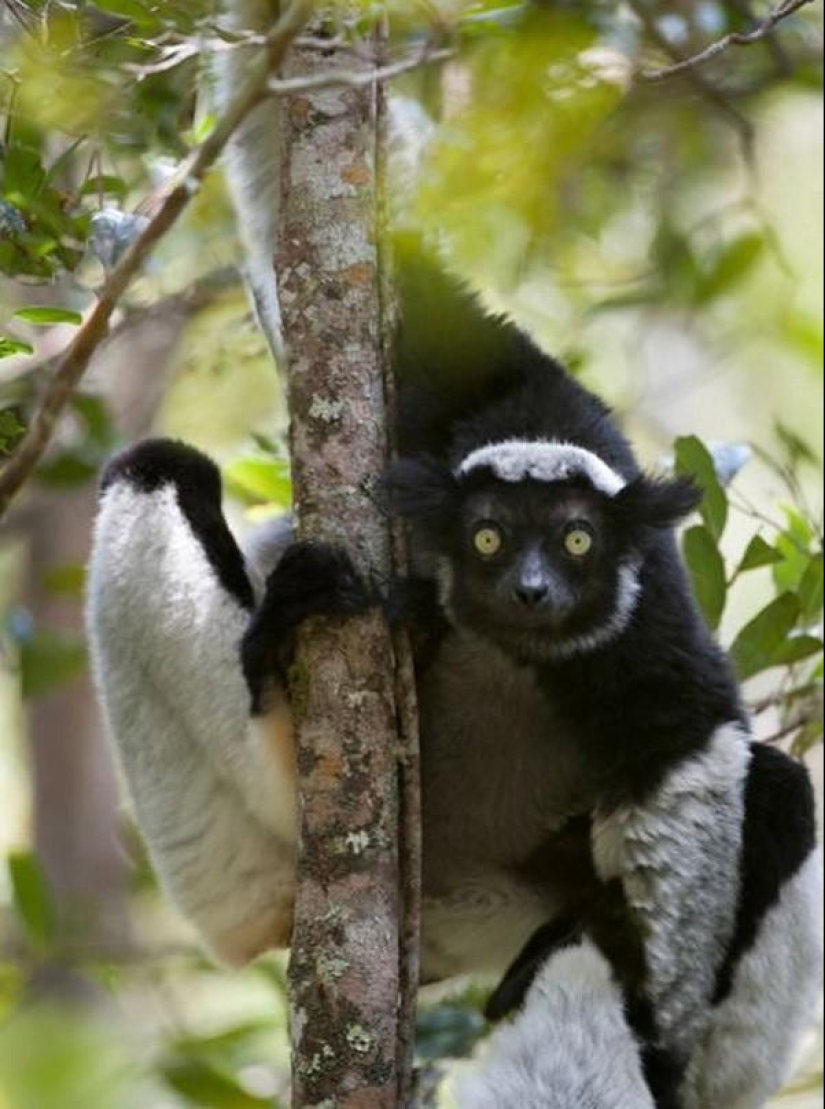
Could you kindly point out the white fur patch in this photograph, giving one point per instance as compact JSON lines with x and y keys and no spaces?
{"x":215,"y":807}
{"x":517,"y":460}
{"x":570,"y":1047}
{"x":678,"y":858}
{"x":627,"y":598}
{"x":747,"y":1048}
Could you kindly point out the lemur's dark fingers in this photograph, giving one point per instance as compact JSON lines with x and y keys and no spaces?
{"x":318,"y":579}
{"x":311,"y":579}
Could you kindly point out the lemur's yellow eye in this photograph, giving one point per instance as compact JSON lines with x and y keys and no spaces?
{"x":578,"y":542}
{"x":488,"y":541}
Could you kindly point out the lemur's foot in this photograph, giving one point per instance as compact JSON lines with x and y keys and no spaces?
{"x":312,"y":579}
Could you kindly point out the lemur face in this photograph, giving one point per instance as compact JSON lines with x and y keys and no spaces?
{"x":540,"y":568}
{"x":536,"y":545}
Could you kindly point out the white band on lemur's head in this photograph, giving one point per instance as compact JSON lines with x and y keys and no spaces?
{"x":515,"y":460}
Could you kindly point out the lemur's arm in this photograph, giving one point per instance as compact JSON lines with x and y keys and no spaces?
{"x":213,"y":786}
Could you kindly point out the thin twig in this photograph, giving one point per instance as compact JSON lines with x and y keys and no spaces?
{"x":76,"y":360}
{"x":351,"y":79}
{"x":735,"y":38}
{"x":703,"y":87}
{"x":781,"y":700}
{"x":783,"y":733}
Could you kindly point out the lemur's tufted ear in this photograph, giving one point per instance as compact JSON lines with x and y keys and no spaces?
{"x":422,"y":489}
{"x":657,"y":502}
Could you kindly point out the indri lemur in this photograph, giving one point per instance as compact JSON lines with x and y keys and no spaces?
{"x":594,"y":811}
{"x":588,"y":777}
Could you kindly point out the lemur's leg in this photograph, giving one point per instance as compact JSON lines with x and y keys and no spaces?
{"x":718,"y":867}
{"x":213,"y":786}
{"x":769,"y":985}
{"x":667,"y":871}
{"x":570,"y":1044}
{"x":675,"y":857}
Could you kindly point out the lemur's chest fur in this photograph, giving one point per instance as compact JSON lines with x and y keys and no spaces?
{"x":497,"y":771}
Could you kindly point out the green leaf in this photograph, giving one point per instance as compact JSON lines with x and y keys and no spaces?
{"x":694,"y":459}
{"x":201,"y":1084}
{"x":105,"y":185}
{"x":219,"y":1044}
{"x":797,"y":649}
{"x":68,"y":470}
{"x":707,"y":570}
{"x":8,"y":347}
{"x":805,"y":334}
{"x":32,"y":899}
{"x":67,"y":580}
{"x":50,"y":659}
{"x":260,"y":480}
{"x":759,"y":554}
{"x":812,"y":589}
{"x":731,"y":264}
{"x":809,"y":737}
{"x":794,"y":445}
{"x":10,"y":430}
{"x":760,"y":642}
{"x":47,"y":316}
{"x":95,"y":415}
{"x":23,"y":173}
{"x":795,"y":545}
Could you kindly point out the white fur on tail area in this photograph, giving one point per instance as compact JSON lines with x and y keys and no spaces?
{"x":570,"y":1047}
{"x":747,"y":1050}
{"x":216,"y":807}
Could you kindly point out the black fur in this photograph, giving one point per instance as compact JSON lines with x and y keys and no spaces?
{"x":664,"y":1072}
{"x":779,"y":836}
{"x":656,"y":695}
{"x":508,"y":996}
{"x":648,"y":502}
{"x":311,"y":579}
{"x":639,"y":703}
{"x":663,"y":686}
{"x":158,"y":462}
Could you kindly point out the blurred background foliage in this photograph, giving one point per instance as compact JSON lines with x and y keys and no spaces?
{"x":662,"y":233}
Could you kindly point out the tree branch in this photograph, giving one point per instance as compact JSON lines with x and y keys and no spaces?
{"x":703,"y":87}
{"x":736,"y":38}
{"x":352,"y":79}
{"x":76,"y":360}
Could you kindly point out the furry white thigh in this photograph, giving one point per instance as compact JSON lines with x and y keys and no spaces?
{"x":214,"y":802}
{"x":570,"y":1046}
{"x":747,"y":1049}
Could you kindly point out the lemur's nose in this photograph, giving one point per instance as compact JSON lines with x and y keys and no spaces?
{"x":531,"y":595}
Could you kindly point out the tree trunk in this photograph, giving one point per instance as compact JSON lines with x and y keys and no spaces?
{"x":347,"y":972}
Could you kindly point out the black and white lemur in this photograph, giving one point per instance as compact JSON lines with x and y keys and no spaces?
{"x":596,"y":817}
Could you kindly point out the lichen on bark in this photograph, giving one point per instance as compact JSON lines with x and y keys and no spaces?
{"x":346,"y":975}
